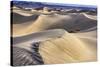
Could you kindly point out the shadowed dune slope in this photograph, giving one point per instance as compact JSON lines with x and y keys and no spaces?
{"x":18,"y":19}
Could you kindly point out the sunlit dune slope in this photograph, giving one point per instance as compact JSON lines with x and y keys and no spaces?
{"x":68,"y":48}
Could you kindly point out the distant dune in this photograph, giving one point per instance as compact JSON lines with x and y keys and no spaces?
{"x":41,"y":22}
{"x":90,"y":16}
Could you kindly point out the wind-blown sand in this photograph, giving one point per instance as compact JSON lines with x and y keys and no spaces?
{"x":62,"y":38}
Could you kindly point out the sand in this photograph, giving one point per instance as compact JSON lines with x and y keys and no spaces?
{"x":63,"y":38}
{"x":41,"y":22}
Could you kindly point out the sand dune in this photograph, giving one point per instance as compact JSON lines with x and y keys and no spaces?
{"x":67,"y":49}
{"x":90,"y":29}
{"x":17,"y":18}
{"x":89,"y":38}
{"x":39,"y":36}
{"x":33,"y":11}
{"x":55,"y":43}
{"x":90,"y":16}
{"x":67,"y":38}
{"x":22,"y":12}
{"x":45,"y":22}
